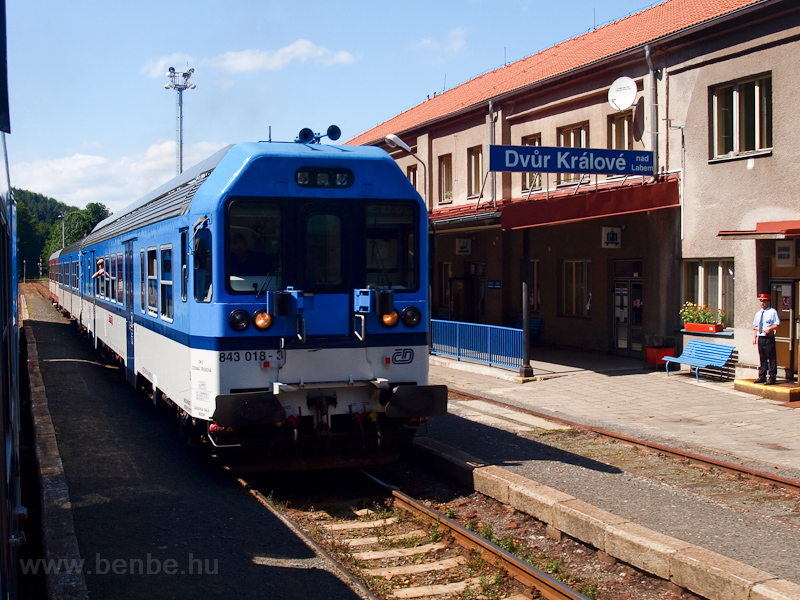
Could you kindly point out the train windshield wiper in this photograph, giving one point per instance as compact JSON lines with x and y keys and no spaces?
{"x":264,"y":284}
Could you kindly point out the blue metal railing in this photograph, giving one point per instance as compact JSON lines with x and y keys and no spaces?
{"x":497,"y":346}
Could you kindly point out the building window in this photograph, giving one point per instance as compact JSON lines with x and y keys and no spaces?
{"x":411,"y":173}
{"x":620,"y":131}
{"x":575,"y":290}
{"x":574,"y":136}
{"x":152,"y":282}
{"x":742,"y":117}
{"x":710,"y":282}
{"x":474,"y":170}
{"x":531,"y":180}
{"x":446,"y":179}
{"x":166,"y":283}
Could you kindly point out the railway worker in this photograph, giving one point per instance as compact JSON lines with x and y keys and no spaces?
{"x":765,"y":323}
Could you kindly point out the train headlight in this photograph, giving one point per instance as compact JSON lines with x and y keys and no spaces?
{"x":239,"y":320}
{"x":390,"y":319}
{"x":411,"y":316}
{"x":262,"y":320}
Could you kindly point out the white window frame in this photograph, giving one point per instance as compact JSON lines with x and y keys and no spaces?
{"x":709,"y":281}
{"x":474,"y":171}
{"x":575,"y":288}
{"x":573,"y":136}
{"x":446,"y":179}
{"x":152,"y":276}
{"x":531,"y":180}
{"x":761,"y":114}
{"x":166,"y":291}
{"x":620,"y":131}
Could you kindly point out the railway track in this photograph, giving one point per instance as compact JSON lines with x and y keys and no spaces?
{"x":441,"y":540}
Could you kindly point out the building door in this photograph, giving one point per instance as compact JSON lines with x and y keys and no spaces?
{"x":458,"y":303}
{"x":784,"y":300}
{"x":627,"y":303}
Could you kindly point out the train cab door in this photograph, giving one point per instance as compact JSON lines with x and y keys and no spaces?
{"x":130,"y":366}
{"x":326,"y":272}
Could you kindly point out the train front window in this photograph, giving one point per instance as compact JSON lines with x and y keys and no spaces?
{"x":391,"y":251}
{"x":253,"y":253}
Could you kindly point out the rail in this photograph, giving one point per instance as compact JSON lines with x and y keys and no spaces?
{"x":490,"y":344}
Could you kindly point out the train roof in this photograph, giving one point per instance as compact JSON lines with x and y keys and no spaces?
{"x":175,"y":197}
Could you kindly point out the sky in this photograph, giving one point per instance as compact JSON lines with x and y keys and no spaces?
{"x":91,"y":120}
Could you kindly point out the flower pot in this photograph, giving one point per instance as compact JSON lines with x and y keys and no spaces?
{"x":703,"y":327}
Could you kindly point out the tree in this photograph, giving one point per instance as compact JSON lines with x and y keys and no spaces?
{"x":29,"y":240}
{"x":39,"y":227}
{"x":97,"y":212}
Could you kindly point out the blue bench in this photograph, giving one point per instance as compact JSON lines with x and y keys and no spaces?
{"x":701,"y":355}
{"x":534,"y":326}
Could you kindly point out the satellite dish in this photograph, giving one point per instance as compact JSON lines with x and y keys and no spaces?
{"x":622,"y":93}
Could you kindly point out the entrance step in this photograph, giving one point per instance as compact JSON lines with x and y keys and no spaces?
{"x":787,"y":392}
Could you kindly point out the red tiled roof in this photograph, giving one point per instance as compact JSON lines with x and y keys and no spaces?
{"x":633,"y":31}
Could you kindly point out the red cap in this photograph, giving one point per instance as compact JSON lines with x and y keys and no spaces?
{"x":764,"y":297}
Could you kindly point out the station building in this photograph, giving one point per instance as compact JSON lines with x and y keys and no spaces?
{"x":610,"y":260}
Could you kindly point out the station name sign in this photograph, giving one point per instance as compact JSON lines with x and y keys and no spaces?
{"x":544,"y":159}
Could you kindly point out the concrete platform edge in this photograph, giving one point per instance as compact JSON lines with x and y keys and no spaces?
{"x":696,"y":569}
{"x":58,"y":529}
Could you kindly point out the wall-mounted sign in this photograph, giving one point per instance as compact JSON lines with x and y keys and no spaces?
{"x":544,"y":159}
{"x":493,"y":284}
{"x":611,"y":237}
{"x":784,"y":253}
{"x":463,"y":246}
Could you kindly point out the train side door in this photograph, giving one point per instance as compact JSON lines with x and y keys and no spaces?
{"x":130,"y":366}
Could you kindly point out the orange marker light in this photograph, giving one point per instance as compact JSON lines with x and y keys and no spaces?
{"x":391,"y":319}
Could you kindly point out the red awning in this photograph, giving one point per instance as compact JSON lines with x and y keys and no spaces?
{"x":592,"y":205}
{"x":771,"y":230}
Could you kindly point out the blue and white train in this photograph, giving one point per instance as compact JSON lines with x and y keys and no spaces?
{"x":276,"y":295}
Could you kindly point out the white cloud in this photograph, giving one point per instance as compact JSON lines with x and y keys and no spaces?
{"x":261,"y":60}
{"x":82,"y":178}
{"x":247,"y":61}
